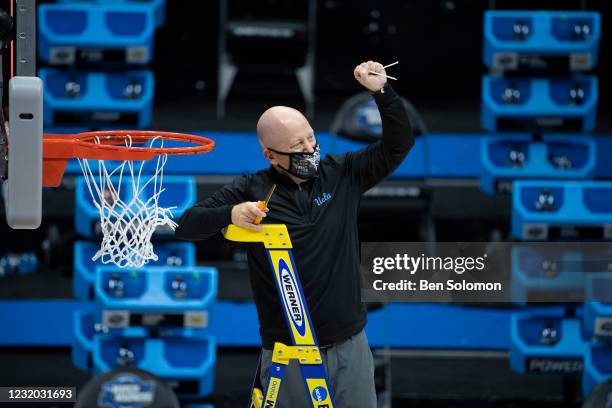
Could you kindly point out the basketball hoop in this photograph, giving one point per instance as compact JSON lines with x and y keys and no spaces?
{"x":128,"y":219}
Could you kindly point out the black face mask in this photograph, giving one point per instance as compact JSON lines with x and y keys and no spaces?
{"x":302,"y":165}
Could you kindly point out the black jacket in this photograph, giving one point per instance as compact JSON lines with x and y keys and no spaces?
{"x":321,"y":216}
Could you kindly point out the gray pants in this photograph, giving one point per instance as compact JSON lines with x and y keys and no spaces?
{"x":350,"y":369}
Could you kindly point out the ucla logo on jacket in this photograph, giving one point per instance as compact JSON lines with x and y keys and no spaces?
{"x":291,"y":297}
{"x":322,"y":199}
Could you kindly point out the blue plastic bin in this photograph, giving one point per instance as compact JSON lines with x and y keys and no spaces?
{"x":187,"y":361}
{"x":169,"y":254}
{"x":155,"y":296}
{"x":562,"y":210}
{"x":103,"y":33}
{"x":505,"y":159}
{"x":542,"y":104}
{"x":97,"y":99}
{"x":546,"y":344}
{"x":541,"y":40}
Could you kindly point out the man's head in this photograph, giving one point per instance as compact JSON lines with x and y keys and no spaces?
{"x":288,"y":141}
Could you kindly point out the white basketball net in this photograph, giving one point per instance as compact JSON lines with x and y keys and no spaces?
{"x":127,"y":226}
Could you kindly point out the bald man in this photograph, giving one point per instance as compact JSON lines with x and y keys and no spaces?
{"x":319,"y":203}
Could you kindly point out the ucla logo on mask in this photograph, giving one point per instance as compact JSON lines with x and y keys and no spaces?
{"x":291,"y":298}
{"x":322,"y":199}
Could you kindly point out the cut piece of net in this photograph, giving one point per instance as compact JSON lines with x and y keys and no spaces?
{"x":128,"y":218}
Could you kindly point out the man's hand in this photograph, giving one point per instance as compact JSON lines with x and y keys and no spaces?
{"x":371,"y":81}
{"x":243,"y":215}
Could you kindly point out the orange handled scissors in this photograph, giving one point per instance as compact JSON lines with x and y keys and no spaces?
{"x":262,"y":205}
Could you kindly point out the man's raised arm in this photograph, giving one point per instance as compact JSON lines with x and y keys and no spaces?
{"x":369,"y":166}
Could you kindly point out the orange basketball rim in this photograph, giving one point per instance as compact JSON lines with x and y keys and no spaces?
{"x":112,"y":145}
